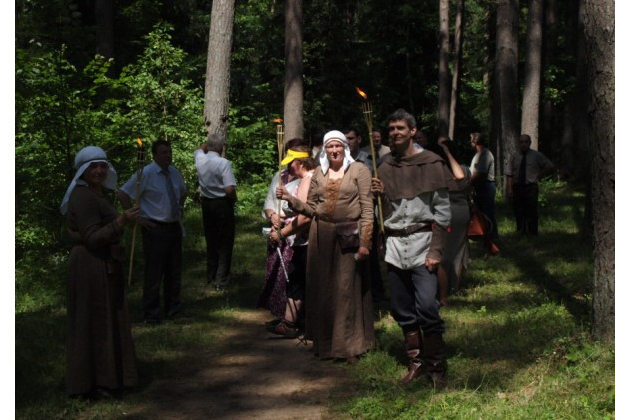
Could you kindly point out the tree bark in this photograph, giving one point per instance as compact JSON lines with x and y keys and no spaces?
{"x":598,"y":17}
{"x":293,"y":72}
{"x":506,"y":88}
{"x":104,"y":28}
{"x":457,"y":62}
{"x":217,"y":87}
{"x":531,"y":86}
{"x":444,"y":85}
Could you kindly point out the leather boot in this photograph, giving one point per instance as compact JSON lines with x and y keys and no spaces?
{"x":413,"y":340}
{"x":434,"y":359}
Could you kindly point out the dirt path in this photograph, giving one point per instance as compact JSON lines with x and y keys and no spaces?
{"x":263,"y":377}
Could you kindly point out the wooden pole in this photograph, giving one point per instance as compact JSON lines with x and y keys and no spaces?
{"x":140,"y":160}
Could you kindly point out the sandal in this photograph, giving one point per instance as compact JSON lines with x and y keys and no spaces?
{"x":286,"y":329}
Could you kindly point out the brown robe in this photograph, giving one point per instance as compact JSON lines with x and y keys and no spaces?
{"x":100,"y":351}
{"x":339,"y":316}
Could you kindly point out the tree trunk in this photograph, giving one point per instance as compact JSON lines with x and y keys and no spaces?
{"x":506,"y":90}
{"x":104,"y":28}
{"x":293,"y":74}
{"x":217,"y":89}
{"x":457,"y":53}
{"x":574,"y":155}
{"x":444,"y":85}
{"x":599,"y":29}
{"x":531,"y":86}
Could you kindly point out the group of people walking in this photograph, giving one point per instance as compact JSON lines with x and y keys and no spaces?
{"x":323,"y":268}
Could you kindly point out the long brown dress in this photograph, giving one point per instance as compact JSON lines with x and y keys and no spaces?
{"x":339,"y":316}
{"x":100,"y":351}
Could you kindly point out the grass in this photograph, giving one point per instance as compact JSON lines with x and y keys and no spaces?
{"x":517,"y":339}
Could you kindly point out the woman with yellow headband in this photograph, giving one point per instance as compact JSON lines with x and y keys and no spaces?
{"x":339,"y":316}
{"x":295,"y":233}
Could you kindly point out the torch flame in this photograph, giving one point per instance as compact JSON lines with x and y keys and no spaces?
{"x":139,"y":142}
{"x":360,"y":92}
{"x":278,"y":120}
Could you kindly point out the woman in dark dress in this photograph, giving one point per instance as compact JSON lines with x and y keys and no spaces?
{"x":100,"y":352}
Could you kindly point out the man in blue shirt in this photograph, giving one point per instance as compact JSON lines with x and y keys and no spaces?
{"x":161,"y":194}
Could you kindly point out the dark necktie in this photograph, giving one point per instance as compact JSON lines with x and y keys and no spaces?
{"x":172,"y":198}
{"x":521,"y":171}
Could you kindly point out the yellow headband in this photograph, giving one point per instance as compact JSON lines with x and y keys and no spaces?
{"x":292,"y":155}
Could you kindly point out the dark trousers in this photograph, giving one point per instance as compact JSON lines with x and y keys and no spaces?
{"x":525,"y":205}
{"x":163,"y":261}
{"x":414,"y":303}
{"x":219,"y":226}
{"x":484,"y":198}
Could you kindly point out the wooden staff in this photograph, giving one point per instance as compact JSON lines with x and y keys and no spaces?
{"x":140,"y":160}
{"x":367,"y":114}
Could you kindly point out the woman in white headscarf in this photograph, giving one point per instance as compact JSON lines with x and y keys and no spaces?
{"x":100,"y":353}
{"x":338,"y":301}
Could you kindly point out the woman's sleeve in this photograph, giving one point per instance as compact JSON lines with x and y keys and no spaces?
{"x":93,"y":232}
{"x":308,"y":208}
{"x":367,"y":206}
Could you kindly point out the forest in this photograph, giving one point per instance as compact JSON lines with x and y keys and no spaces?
{"x":109,"y":72}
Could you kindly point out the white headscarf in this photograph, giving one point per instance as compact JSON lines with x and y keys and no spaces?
{"x":83,"y":159}
{"x":334,"y":135}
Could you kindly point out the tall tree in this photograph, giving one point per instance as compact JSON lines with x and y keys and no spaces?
{"x":293,"y":73}
{"x":104,"y":12}
{"x":457,"y":63}
{"x":506,"y":81}
{"x":598,"y":17}
{"x":444,"y":79}
{"x":217,"y":89}
{"x":531,"y":87}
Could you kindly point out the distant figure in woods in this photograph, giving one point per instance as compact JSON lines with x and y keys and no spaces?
{"x":339,"y":316}
{"x":414,"y":186}
{"x":455,"y":256}
{"x":529,"y":166}
{"x":100,"y":352}
{"x":482,"y":181}
{"x":364,"y":155}
{"x":162,"y":193}
{"x":218,"y":197}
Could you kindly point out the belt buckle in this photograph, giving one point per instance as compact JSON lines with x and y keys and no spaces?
{"x":405,"y":231}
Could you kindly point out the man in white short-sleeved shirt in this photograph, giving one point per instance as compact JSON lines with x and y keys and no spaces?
{"x":217,"y":186}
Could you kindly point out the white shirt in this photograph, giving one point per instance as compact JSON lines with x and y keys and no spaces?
{"x":154,"y":201}
{"x":214,"y":173}
{"x":271,"y":201}
{"x":483,"y":162}
{"x":408,"y":252}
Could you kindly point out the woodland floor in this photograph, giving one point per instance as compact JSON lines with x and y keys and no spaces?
{"x":263,"y":377}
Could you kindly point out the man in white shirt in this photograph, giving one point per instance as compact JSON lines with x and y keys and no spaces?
{"x":161,"y":194}
{"x":218,"y":195}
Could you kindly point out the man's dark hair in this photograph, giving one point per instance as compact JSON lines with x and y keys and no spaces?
{"x":478,"y":139}
{"x":350,"y":128}
{"x":159,"y":143}
{"x":295,"y":142}
{"x":401,"y":114}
